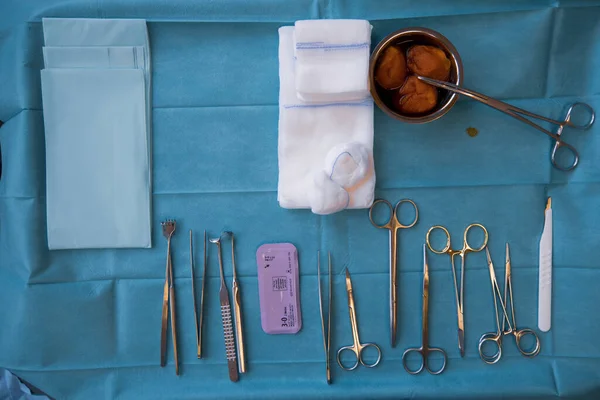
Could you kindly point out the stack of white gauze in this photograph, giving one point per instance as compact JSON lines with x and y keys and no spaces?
{"x":96,"y":99}
{"x":325,"y":116}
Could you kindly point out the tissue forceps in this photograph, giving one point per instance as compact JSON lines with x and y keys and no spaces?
{"x":326,"y":338}
{"x":168,"y":229}
{"x":424,"y":351}
{"x":463,"y":254}
{"x":357,"y":347}
{"x":496,"y":337}
{"x":520,"y":114}
{"x":393,"y":224}
{"x":197,"y":323}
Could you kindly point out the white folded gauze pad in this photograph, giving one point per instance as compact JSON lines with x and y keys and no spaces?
{"x":332,"y":59}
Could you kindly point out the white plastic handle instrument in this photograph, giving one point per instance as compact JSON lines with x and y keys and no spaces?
{"x":545,"y":282}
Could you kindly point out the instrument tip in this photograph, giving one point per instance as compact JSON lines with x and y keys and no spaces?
{"x":549,"y":203}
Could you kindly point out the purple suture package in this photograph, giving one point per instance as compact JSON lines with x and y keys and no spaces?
{"x":278,"y":279}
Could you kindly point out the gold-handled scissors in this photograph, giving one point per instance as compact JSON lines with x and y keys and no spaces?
{"x":424,"y":351}
{"x":496,"y":337}
{"x":357,"y":347}
{"x":462,"y":253}
{"x":393,"y":224}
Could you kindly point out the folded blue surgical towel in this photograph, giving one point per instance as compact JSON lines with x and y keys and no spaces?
{"x":97,"y":114}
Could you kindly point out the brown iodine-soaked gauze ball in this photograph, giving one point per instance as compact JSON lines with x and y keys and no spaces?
{"x":415,"y":97}
{"x":391,"y":70}
{"x":429,"y":61}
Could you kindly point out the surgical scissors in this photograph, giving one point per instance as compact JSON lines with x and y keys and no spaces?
{"x":424,"y":351}
{"x":393,"y":224}
{"x":357,"y":347}
{"x":520,"y":114}
{"x":463,"y":254}
{"x":496,"y":337}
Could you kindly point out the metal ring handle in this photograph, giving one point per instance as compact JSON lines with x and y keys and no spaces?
{"x":490,"y":337}
{"x":387,"y":225}
{"x":589,"y":110}
{"x":339,"y":358}
{"x":360,"y":355}
{"x":485,"y":238}
{"x":527,"y":332}
{"x":428,"y":353}
{"x":405,"y":356}
{"x":446,"y":248}
{"x":559,"y":144}
{"x":396,"y":209}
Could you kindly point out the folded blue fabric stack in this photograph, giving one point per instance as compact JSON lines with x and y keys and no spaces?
{"x":96,"y":98}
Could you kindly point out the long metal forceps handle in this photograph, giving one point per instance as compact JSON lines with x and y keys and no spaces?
{"x":165,"y":312}
{"x":326,"y":333}
{"x":202,"y":301}
{"x":197,"y":324}
{"x":237,"y":311}
{"x":173,"y":314}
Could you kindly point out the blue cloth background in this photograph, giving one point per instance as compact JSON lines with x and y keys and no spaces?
{"x":85,"y":324}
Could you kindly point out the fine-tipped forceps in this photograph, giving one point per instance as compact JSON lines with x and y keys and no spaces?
{"x":326,"y":334}
{"x":392,"y":225}
{"x":520,"y":114}
{"x":496,"y":337}
{"x":424,"y":351}
{"x":197,"y":323}
{"x":357,"y":347}
{"x":168,"y":229}
{"x":462,"y":253}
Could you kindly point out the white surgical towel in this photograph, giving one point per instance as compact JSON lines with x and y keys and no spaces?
{"x":332,"y":59}
{"x":325,"y":150}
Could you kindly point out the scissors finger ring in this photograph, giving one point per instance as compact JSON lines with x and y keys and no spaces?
{"x":396,"y":213}
{"x":427,"y":239}
{"x":351,"y":350}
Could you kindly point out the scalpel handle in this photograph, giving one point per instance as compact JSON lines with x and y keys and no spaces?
{"x":545,"y":273}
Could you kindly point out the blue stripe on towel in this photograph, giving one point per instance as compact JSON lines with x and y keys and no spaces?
{"x":364,"y":103}
{"x":317,"y":46}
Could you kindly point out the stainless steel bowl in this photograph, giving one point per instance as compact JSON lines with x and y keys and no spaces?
{"x":418,"y":36}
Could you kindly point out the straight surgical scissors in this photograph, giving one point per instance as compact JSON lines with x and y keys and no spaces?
{"x":357,"y":347}
{"x":496,"y":337}
{"x":520,"y":114}
{"x":424,"y":351}
{"x":463,"y":254}
{"x":393,"y":224}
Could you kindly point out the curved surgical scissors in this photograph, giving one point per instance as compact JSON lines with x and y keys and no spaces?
{"x":496,"y":337}
{"x":520,"y":114}
{"x":462,"y":253}
{"x":393,"y":224}
{"x":357,"y":347}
